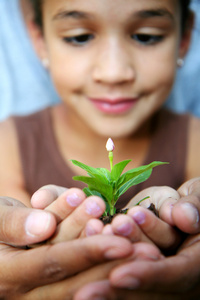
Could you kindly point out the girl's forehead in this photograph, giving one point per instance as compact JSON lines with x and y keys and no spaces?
{"x":109,"y":6}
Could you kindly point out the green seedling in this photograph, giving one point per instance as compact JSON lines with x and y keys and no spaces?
{"x":110,"y":185}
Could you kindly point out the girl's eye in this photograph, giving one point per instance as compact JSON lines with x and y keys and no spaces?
{"x":79,"y":40}
{"x":147,"y":39}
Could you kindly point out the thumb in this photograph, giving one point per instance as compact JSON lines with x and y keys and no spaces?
{"x":22,"y":226}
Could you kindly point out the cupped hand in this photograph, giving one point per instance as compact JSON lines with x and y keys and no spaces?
{"x":179,"y":208}
{"x":175,"y":277}
{"x":21,"y":226}
{"x":142,"y":225}
{"x":78,"y":216}
{"x":72,"y":210}
{"x":39,"y":273}
{"x":47,"y":272}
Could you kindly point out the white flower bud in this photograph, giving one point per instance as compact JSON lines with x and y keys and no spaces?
{"x":110,"y":145}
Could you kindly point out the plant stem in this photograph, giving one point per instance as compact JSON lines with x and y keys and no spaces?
{"x":112,"y":210}
{"x":110,"y":155}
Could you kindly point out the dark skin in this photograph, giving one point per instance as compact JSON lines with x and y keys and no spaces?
{"x":53,"y":260}
{"x":160,"y":277}
{"x":175,"y":277}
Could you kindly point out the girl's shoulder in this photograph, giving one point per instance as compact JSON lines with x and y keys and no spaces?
{"x":193,"y":151}
{"x":8,"y":138}
{"x":11,"y":178}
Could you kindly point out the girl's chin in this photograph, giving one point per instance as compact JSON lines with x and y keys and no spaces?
{"x":115,"y":131}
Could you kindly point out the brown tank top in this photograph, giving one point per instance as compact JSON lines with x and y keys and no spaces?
{"x":43,"y":164}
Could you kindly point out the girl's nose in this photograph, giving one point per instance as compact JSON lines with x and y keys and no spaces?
{"x":113,"y":65}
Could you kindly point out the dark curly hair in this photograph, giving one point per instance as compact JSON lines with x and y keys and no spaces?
{"x":37,"y":6}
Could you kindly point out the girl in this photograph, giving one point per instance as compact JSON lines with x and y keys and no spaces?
{"x":126,"y":67}
{"x":113,"y":65}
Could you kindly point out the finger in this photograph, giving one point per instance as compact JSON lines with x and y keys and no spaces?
{"x":108,"y":230}
{"x":158,"y":231}
{"x":66,"y":203}
{"x":156,"y":195}
{"x":185,"y":212}
{"x":67,"y":288}
{"x":96,"y":290}
{"x":46,"y":195}
{"x":175,"y":274}
{"x":93,"y":226}
{"x":189,"y":187}
{"x":162,"y":198}
{"x":125,"y":226}
{"x":186,"y":215}
{"x":22,"y":226}
{"x":103,"y":289}
{"x":165,"y":210}
{"x":92,"y":207}
{"x":48,"y":264}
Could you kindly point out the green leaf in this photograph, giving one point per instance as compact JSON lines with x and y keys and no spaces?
{"x":137,"y":171}
{"x":118,"y":169}
{"x":106,"y":173}
{"x":93,"y":172}
{"x":134,"y":181}
{"x":96,"y":185}
{"x":142,"y":200}
{"x":89,"y":192}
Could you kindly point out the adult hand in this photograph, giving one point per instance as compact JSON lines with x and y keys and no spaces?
{"x":21,"y":226}
{"x":39,"y":273}
{"x":175,"y":277}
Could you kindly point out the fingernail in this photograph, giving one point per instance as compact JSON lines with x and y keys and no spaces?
{"x":73,"y":200}
{"x":89,"y":230}
{"x":92,"y":208}
{"x":128,"y":282}
{"x":191,"y":212}
{"x":124,"y":229}
{"x":37,"y":223}
{"x":139,"y":217}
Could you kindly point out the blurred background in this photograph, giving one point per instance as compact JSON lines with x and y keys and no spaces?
{"x":25,"y":85}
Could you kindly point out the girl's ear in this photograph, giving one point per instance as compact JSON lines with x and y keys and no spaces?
{"x":34,"y":31}
{"x":186,"y":36}
{"x":37,"y":38}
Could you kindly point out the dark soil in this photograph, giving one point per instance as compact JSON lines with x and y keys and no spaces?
{"x":153,"y":209}
{"x":108,"y":219}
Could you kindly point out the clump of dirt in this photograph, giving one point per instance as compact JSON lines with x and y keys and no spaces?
{"x":108,"y":219}
{"x":153,"y":209}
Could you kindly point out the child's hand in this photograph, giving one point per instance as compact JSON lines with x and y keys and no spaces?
{"x":179,"y":208}
{"x":142,"y":225}
{"x":72,"y":210}
{"x":176,"y":209}
{"x":77,"y":216}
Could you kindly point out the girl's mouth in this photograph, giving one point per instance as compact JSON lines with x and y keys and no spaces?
{"x":114,"y":106}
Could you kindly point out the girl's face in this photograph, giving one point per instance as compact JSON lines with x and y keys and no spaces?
{"x":112,"y":62}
